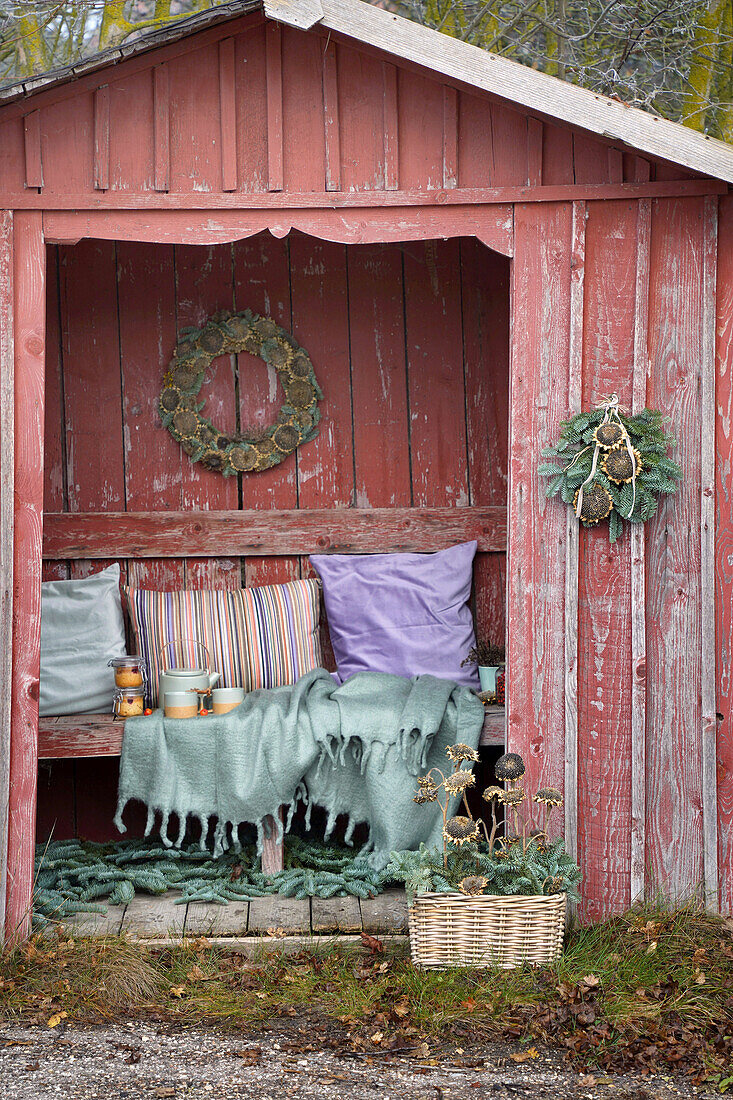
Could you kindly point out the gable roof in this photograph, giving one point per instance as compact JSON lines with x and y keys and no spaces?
{"x":450,"y":58}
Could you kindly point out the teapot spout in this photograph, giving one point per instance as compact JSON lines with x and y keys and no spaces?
{"x":214,"y":679}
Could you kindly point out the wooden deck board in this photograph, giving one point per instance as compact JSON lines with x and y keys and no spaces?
{"x":85,"y":735}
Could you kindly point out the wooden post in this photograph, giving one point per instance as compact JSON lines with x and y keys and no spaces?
{"x":707,"y":557}
{"x":638,"y":567}
{"x":29,"y":270}
{"x":7,"y":480}
{"x":572,"y":537}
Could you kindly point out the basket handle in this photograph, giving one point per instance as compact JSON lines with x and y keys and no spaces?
{"x":195,"y":642}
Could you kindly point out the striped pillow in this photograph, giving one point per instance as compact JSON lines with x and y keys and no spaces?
{"x":256,"y":637}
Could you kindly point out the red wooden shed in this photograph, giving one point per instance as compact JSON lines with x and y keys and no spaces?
{"x":469,"y":250}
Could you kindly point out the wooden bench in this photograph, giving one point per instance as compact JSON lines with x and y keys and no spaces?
{"x":242,"y":534}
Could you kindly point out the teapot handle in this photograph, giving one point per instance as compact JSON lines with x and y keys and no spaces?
{"x":195,"y":642}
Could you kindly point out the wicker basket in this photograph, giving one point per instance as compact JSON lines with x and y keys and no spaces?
{"x":487,"y":930}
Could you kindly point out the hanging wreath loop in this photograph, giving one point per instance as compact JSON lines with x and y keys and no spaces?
{"x":615,"y":465}
{"x":250,"y":451}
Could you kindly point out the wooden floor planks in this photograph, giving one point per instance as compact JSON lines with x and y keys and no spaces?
{"x":273,"y":916}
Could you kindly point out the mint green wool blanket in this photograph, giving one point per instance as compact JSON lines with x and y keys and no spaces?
{"x":353,"y":749}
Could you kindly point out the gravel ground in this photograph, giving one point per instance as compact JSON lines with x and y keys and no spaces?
{"x":134,"y":1060}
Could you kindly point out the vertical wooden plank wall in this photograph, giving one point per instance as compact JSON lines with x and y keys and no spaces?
{"x":674,"y":804}
{"x":536,"y":553}
{"x":29,"y":267}
{"x":604,"y":608}
{"x":7,"y":483}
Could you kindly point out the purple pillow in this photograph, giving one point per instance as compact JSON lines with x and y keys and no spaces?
{"x":407,"y":614}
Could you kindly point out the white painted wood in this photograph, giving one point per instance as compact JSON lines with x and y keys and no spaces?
{"x":572,"y":536}
{"x":7,"y":403}
{"x":517,"y":83}
{"x":638,"y":571}
{"x":707,"y":558}
{"x":296,"y":13}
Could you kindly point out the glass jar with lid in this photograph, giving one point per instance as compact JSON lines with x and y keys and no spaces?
{"x":128,"y":702}
{"x":129,"y":671}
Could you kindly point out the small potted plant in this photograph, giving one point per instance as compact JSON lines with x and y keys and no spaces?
{"x":493,"y":895}
{"x":489,"y":658}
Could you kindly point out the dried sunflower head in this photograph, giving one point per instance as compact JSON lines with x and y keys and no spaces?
{"x":473,"y":885}
{"x":186,"y":423}
{"x":211,"y":340}
{"x":301,"y":365}
{"x":425,"y":796}
{"x":458,"y":782}
{"x":509,"y":766}
{"x":619,"y":466}
{"x":301,"y":394}
{"x":286,"y":438}
{"x":242,"y":458}
{"x":514,"y":797}
{"x":596,"y":504}
{"x":460,"y":752}
{"x":265,"y":327}
{"x":607,"y":435}
{"x":427,"y":790}
{"x":554,"y":885}
{"x":460,"y":830}
{"x":549,"y":796}
{"x":169,"y":399}
{"x":491,"y":793}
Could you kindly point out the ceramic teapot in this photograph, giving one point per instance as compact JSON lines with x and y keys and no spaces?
{"x":185,"y":679}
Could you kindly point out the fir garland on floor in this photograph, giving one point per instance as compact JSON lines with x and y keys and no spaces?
{"x":74,"y":876}
{"x":614,"y":465}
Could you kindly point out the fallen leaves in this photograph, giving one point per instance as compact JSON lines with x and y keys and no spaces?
{"x":525,"y":1055}
{"x":371,"y":943}
{"x":56,"y":1019}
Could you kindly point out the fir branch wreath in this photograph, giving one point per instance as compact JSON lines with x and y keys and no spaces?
{"x":614,"y":466}
{"x":227,"y":333}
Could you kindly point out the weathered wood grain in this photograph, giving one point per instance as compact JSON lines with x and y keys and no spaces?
{"x":724,"y":550}
{"x":450,"y":136}
{"x":33,"y":161}
{"x":412,"y":195}
{"x":262,"y":283}
{"x":161,"y":128}
{"x":638,"y":571}
{"x":535,"y":139}
{"x":391,"y":128}
{"x":7,"y":509}
{"x":379,"y":377}
{"x":29,"y":263}
{"x":304,"y":134}
{"x":101,"y":138}
{"x":273,"y":39}
{"x":88,"y":735}
{"x":260,"y":532}
{"x":146,"y":299}
{"x":321,"y":324}
{"x":492,"y":225}
{"x":486,"y":324}
{"x":434,"y":366}
{"x":331,"y":119}
{"x":228,"y":115}
{"x":604,"y":613}
{"x":536,"y":563}
{"x":707,"y":556}
{"x":674,"y":834}
{"x":572,"y":533}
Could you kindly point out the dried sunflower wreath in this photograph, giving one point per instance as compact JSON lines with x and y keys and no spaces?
{"x":227,"y":333}
{"x":614,"y":465}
